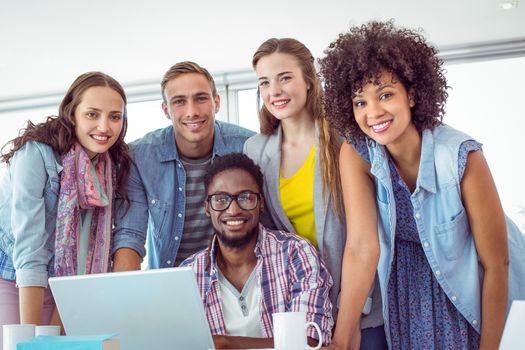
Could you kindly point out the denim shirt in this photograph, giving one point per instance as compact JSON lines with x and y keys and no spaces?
{"x":157,"y":193}
{"x":28,"y":206}
{"x":442,"y":224}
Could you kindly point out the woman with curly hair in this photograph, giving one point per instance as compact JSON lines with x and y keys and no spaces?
{"x":298,"y":153}
{"x":420,"y":200}
{"x":57,"y":195}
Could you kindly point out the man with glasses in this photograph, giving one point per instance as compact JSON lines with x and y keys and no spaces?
{"x":249,"y":272}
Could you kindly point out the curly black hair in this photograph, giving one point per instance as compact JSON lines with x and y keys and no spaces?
{"x":233,"y":161}
{"x":360,"y":57}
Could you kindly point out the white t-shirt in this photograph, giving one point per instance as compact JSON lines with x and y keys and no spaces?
{"x":241,"y":310}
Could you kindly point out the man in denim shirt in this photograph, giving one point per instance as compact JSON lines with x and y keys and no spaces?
{"x":165,"y":188}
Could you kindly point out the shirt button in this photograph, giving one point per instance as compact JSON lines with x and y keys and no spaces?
{"x":418,"y":215}
{"x":475,"y":322}
{"x":438,"y":273}
{"x":180,"y":188}
{"x":176,"y":238}
{"x":241,"y":298}
{"x":454,"y":298}
{"x":168,"y":262}
{"x":152,"y":201}
{"x":179,"y":215}
{"x":180,"y":166}
{"x":425,"y":244}
{"x":243,"y":307}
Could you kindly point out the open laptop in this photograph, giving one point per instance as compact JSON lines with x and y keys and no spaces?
{"x":152,"y":309}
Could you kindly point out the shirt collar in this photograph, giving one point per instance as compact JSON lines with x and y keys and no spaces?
{"x":214,"y":245}
{"x":426,"y":177}
{"x":260,"y":239}
{"x":169,"y":151}
{"x":219,"y":143}
{"x":168,"y":147}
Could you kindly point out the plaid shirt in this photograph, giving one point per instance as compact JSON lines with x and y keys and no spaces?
{"x":289,"y":273}
{"x":7,"y":271}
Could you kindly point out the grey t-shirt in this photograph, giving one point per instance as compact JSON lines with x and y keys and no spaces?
{"x":197,"y":230}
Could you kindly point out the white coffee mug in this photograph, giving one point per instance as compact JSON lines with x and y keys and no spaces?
{"x":47,"y":330}
{"x":17,"y":333}
{"x":289,"y":331}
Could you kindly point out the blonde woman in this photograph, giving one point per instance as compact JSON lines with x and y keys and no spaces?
{"x":298,"y":153}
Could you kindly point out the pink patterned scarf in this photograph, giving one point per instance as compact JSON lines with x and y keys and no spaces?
{"x":78,"y":191}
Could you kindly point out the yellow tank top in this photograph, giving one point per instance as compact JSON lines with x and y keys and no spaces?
{"x":297,"y":198}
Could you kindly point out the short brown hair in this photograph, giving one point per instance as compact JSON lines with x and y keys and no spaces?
{"x":183,"y":68}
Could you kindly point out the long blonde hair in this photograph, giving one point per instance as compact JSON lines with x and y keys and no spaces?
{"x":329,"y":142}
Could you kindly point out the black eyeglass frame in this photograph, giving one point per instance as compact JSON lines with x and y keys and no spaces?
{"x":234,"y":197}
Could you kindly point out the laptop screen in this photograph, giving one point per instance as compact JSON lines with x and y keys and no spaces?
{"x":152,"y":309}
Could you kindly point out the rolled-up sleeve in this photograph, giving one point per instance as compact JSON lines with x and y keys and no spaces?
{"x":131,"y":219}
{"x":28,"y":217}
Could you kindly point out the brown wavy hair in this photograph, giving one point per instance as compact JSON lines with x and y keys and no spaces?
{"x":329,"y":142}
{"x":58,"y":132}
{"x":363,"y":54}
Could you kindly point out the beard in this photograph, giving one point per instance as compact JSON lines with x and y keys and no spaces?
{"x":239,"y":241}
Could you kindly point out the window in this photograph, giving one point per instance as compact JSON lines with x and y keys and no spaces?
{"x":144,"y":117}
{"x":485,"y":102}
{"x":247,"y":109}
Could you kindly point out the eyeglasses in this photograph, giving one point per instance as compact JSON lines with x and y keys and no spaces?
{"x":246,"y":200}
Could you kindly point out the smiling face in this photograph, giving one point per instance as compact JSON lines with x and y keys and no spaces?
{"x":191,"y":107}
{"x":382,"y":111}
{"x":99,"y":119}
{"x":282,"y":86}
{"x":235,"y":227}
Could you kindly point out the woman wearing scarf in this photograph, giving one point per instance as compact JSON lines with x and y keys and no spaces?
{"x":57,"y":195}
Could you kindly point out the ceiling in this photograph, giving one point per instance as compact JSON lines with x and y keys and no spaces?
{"x":44,"y":45}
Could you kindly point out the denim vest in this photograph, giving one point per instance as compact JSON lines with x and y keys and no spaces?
{"x":28,"y":206}
{"x":442,"y":224}
{"x":157,"y":193}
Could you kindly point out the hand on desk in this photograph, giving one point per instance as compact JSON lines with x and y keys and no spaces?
{"x":230,"y":342}
{"x":56,"y":321}
{"x":355,"y":343}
